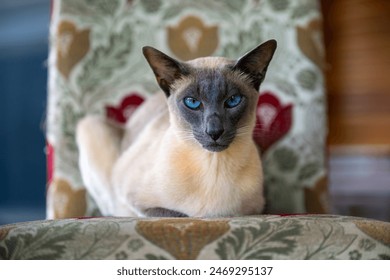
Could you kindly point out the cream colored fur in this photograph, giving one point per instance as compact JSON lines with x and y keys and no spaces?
{"x":158,"y":168}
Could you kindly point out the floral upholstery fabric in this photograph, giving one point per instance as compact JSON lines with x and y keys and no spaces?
{"x":257,"y":237}
{"x":96,"y":67}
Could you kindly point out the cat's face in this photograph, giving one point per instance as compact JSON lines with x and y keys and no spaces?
{"x":212,"y":100}
{"x":213,"y":105}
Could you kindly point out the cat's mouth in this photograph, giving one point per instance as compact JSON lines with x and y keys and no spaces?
{"x":215,"y":147}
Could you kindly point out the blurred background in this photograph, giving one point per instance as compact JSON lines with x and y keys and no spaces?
{"x":357,"y":41}
{"x":23,"y":75}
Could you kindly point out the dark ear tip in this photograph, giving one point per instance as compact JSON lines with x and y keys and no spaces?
{"x":271,"y":43}
{"x":146,"y":50}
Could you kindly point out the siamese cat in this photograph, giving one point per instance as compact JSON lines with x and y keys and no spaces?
{"x":187,"y":151}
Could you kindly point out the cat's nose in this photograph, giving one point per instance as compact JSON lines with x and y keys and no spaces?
{"x":214,"y":128}
{"x":215,"y":134}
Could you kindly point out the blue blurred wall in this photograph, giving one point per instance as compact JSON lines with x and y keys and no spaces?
{"x":23,"y":76}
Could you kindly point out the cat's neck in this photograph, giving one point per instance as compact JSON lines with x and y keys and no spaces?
{"x":192,"y":158}
{"x":212,"y":183}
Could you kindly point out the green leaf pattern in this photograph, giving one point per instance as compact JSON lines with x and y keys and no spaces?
{"x":92,"y":235}
{"x":40,"y":243}
{"x":253,"y":237}
{"x":105,"y":60}
{"x":263,"y":241}
{"x":334,"y":239}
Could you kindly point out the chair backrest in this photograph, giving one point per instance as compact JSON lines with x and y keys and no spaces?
{"x":96,"y":67}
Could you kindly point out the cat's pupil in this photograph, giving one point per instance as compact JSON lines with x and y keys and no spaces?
{"x":192,"y":103}
{"x":233,"y":101}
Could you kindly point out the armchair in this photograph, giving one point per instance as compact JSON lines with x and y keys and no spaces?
{"x":96,"y":67}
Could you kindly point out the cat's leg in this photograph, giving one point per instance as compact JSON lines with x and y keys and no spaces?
{"x":99,"y":148}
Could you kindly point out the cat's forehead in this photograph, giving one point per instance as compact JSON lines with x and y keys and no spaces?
{"x":211,"y":76}
{"x":217,"y":69}
{"x":210,"y":62}
{"x":211,"y":71}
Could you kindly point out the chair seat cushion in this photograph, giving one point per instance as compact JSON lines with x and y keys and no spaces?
{"x":252,"y":237}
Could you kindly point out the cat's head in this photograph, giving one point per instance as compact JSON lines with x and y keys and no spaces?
{"x":212,"y":100}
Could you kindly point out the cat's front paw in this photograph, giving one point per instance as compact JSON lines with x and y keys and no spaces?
{"x":163,"y":212}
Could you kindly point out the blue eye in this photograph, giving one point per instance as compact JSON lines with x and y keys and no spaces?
{"x":192,"y":103}
{"x":233,"y":101}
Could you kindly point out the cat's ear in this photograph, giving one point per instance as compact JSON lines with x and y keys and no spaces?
{"x":255,"y":62}
{"x":165,"y":68}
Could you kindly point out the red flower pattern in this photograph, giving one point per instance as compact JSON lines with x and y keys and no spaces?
{"x":273,"y":120}
{"x":123,"y":111}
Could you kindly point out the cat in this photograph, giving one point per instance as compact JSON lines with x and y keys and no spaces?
{"x":187,"y":151}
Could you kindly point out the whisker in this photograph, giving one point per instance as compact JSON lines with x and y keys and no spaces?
{"x":244,"y":131}
{"x":260,"y":131}
{"x":185,"y":135}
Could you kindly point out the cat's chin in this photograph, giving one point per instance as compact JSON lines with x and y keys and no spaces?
{"x":215,"y":147}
